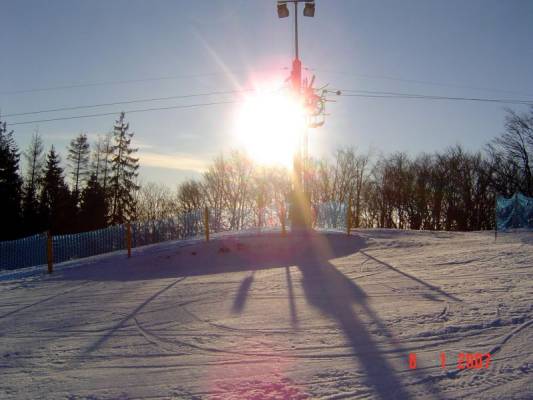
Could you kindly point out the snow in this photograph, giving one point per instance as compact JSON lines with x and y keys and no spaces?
{"x":262,"y":316}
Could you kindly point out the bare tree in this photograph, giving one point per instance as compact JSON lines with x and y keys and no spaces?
{"x":190,"y":196}
{"x":101,"y":159}
{"x":78,"y":158}
{"x":515,"y":145}
{"x":154,"y":202}
{"x":34,"y":167}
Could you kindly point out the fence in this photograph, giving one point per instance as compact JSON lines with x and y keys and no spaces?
{"x":514,"y":212}
{"x":331,"y":215}
{"x":86,"y":244}
{"x":32,"y":251}
{"x":23,"y":252}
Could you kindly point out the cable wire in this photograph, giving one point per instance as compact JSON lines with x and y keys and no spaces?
{"x":399,"y":95}
{"x":351,"y":93}
{"x":125,"y":81}
{"x":422,"y":82}
{"x":127,"y":112}
{"x":105,"y":83}
{"x":126,"y":102}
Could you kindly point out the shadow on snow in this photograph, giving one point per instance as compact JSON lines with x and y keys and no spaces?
{"x":324,"y":287}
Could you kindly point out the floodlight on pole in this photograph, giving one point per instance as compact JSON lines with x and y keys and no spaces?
{"x":283,"y":10}
{"x":300,"y":193}
{"x":309,"y":9}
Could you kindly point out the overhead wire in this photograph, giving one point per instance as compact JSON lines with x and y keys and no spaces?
{"x":120,"y":82}
{"x":126,"y":102}
{"x":105,"y":83}
{"x":421,"y":82}
{"x":403,"y":95}
{"x":198,"y":105}
{"x":343,"y":93}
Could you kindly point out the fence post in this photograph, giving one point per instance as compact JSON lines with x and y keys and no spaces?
{"x":283,"y":213}
{"x":128,"y":238}
{"x":349,"y":216}
{"x":49,"y":252}
{"x":206,"y":223}
{"x":496,"y":217}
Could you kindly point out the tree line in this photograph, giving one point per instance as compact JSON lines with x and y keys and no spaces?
{"x":452,"y":189}
{"x":97,"y":190}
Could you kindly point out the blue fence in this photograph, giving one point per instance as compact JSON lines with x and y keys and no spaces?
{"x":86,"y":244}
{"x":331,"y":215}
{"x":23,"y":252}
{"x":514,"y":212}
{"x":183,"y":226}
{"x":31,"y":251}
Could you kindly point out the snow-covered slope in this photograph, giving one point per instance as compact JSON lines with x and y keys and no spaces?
{"x":269,"y":317}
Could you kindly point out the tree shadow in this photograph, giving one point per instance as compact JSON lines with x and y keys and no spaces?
{"x":220,"y":255}
{"x":104,"y":338}
{"x":324,"y":287}
{"x":414,"y":278}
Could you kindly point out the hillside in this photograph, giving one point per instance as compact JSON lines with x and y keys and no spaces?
{"x":267,"y":317}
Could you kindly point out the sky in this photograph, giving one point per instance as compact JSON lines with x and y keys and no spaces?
{"x":105,"y":51}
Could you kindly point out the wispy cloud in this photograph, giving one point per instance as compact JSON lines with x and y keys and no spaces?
{"x":142,"y":145}
{"x":172,"y":161}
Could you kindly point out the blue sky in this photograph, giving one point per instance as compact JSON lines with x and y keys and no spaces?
{"x":478,"y":48}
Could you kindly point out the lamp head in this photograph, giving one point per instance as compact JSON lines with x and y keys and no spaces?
{"x":309,"y":9}
{"x":283,"y":10}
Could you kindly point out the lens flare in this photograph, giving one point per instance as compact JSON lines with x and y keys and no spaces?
{"x":269,"y":126}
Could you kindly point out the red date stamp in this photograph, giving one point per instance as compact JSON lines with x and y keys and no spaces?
{"x":463,"y":361}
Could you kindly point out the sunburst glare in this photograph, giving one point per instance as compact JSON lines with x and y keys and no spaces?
{"x":269,"y":126}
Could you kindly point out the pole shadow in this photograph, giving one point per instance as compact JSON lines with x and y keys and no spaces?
{"x":324,"y":287}
{"x":336,"y":296}
{"x":330,"y":292}
{"x":292,"y":303}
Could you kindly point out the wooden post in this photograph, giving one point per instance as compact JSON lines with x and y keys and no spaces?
{"x":349,"y":216}
{"x":50,"y":252}
{"x":282,"y":214}
{"x":128,"y":238}
{"x":206,"y":223}
{"x":496,"y":217}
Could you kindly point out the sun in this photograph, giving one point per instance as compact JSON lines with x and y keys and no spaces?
{"x":269,"y":126}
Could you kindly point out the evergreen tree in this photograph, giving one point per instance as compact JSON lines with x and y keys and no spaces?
{"x":93,"y":208}
{"x":30,"y":203}
{"x":10,"y":186}
{"x":78,"y":157}
{"x":124,"y":173}
{"x":56,"y":204}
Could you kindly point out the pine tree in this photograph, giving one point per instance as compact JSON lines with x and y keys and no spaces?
{"x":56,"y":204}
{"x":78,"y":157}
{"x":30,"y":203}
{"x":10,"y":186}
{"x":124,"y":173}
{"x":93,"y":208}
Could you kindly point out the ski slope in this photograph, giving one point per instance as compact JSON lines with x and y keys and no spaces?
{"x":261,"y":316}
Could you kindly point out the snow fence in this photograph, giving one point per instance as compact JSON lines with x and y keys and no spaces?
{"x":514,"y":212}
{"x":32,"y":251}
